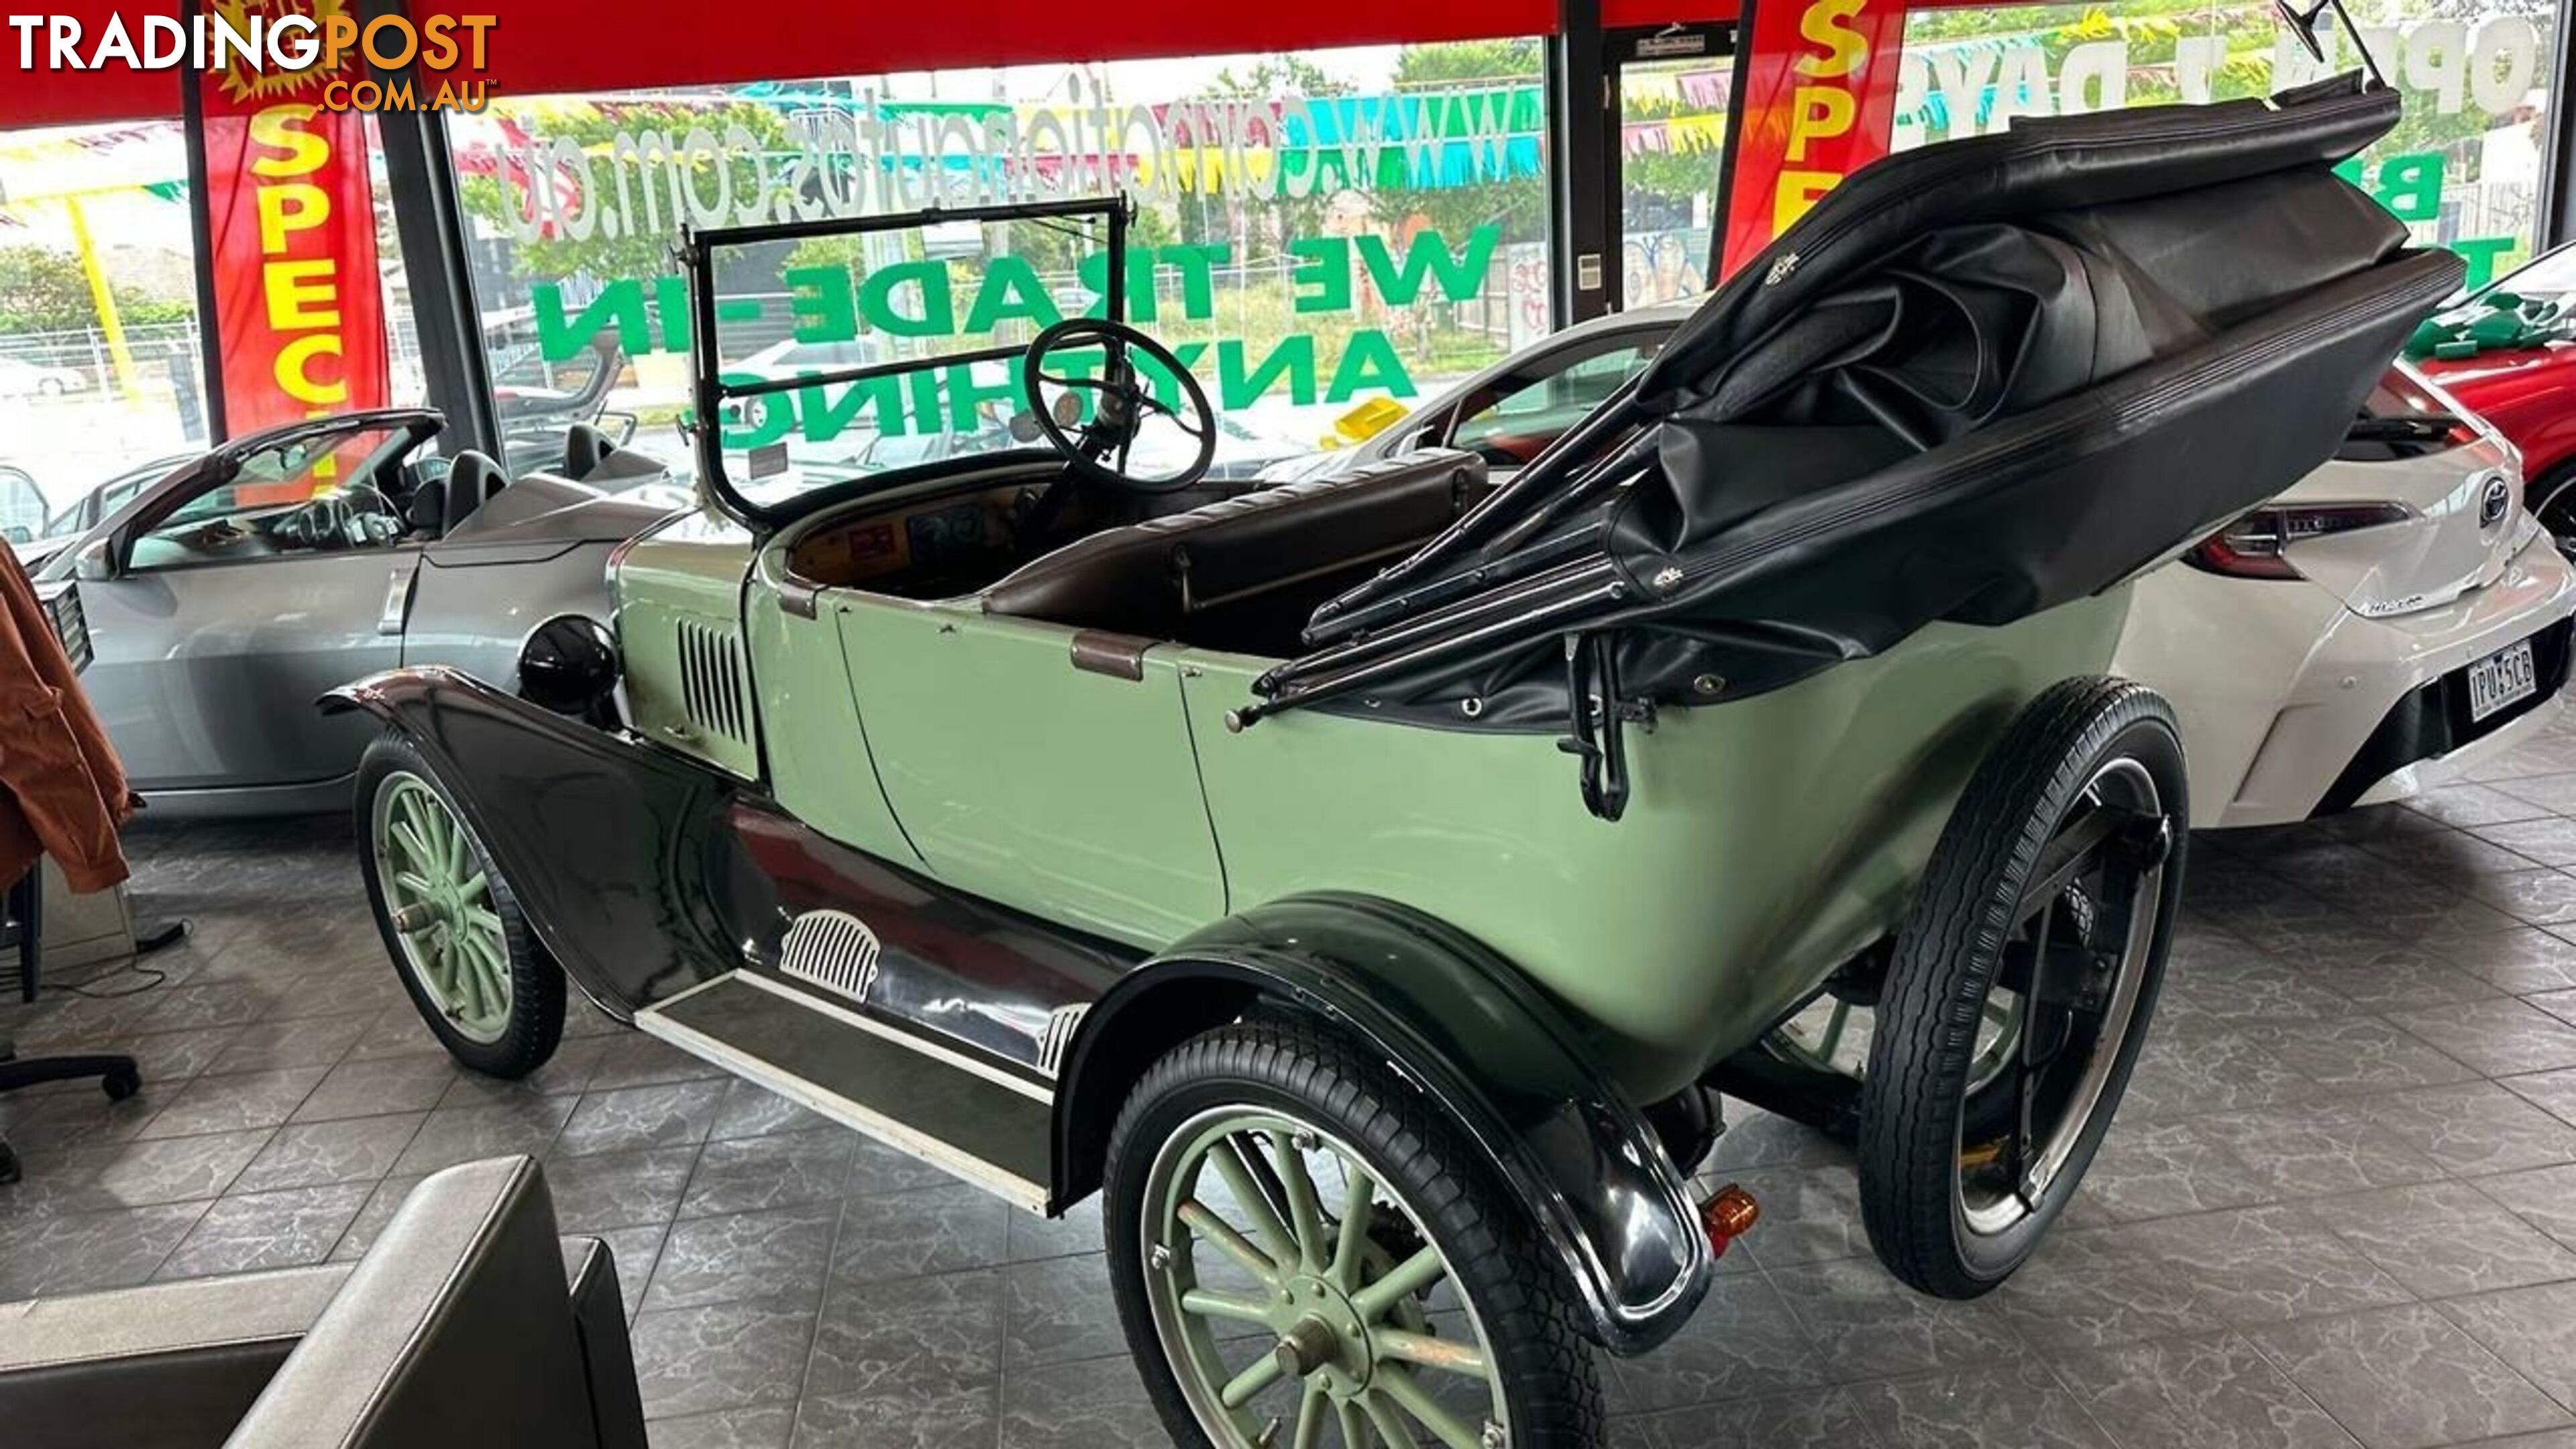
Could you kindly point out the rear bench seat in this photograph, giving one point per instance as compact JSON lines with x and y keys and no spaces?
{"x":1149,"y":579}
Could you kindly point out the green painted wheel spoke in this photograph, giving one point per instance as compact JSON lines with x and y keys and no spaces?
{"x":1389,"y":1423}
{"x":1261,"y":1374}
{"x":455,"y":848}
{"x":1355,"y":1429}
{"x":1312,"y":1405}
{"x":1208,"y":1303}
{"x":1228,"y":1155}
{"x":1455,"y":1355}
{"x":477,"y":887}
{"x":1408,"y":1277}
{"x":1305,"y":1213}
{"x":1358,"y":1204}
{"x":466,"y":980}
{"x":407,"y":835}
{"x":1448,"y":1428}
{"x":485,"y":922}
{"x":1197,"y":1217}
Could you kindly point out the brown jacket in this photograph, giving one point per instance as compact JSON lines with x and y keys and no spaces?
{"x":62,"y":792}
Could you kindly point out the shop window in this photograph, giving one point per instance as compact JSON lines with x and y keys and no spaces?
{"x":1314,"y":230}
{"x":2464,"y":169}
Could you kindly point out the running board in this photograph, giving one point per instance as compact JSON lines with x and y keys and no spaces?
{"x":914,"y":1097}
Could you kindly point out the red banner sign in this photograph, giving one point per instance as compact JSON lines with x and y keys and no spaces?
{"x":1819,"y":103}
{"x":299,"y":304}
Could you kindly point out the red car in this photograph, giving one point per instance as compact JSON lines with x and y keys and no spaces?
{"x":2508,"y":354}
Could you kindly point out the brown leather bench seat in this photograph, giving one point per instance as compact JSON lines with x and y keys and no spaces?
{"x":1228,"y":574}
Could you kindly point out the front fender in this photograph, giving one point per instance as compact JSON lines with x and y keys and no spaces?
{"x":1464,"y":1026}
{"x":613,"y":848}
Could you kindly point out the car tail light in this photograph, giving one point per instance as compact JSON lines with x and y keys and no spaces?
{"x":2257,"y":545}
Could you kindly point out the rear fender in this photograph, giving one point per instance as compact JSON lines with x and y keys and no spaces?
{"x":1463,"y":1026}
{"x":611,"y":846}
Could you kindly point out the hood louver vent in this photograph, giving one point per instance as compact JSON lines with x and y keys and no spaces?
{"x":712,"y":681}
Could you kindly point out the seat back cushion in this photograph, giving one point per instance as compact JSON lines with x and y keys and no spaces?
{"x":471,"y":482}
{"x":1146,"y":579}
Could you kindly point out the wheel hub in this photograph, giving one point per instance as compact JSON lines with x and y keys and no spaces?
{"x":1322,"y":1336}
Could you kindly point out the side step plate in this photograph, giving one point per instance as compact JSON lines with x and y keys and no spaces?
{"x":912,"y":1098}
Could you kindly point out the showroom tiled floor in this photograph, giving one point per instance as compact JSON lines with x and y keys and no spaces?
{"x":2339,"y":1205}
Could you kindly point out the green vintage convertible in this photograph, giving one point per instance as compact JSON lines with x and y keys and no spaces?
{"x":1369,"y":884}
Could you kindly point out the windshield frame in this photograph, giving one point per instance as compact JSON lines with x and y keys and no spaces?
{"x":709,"y":391}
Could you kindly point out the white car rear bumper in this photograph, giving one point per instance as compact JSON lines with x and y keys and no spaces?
{"x":2292,"y":704}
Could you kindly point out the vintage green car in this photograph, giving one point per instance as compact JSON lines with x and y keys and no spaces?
{"x":1369,"y":884}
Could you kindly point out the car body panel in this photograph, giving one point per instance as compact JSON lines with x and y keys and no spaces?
{"x":2529,"y":395}
{"x":1057,"y":790}
{"x":204,"y":672}
{"x":1481,"y":828}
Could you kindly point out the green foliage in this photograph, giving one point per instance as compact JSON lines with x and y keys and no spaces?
{"x":43,"y":290}
{"x":1517,"y":205}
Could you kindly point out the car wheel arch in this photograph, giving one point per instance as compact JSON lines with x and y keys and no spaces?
{"x":1589,"y":1165}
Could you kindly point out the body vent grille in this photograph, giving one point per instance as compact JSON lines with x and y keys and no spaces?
{"x":712,"y":682}
{"x":1059,"y":1035}
{"x":834,"y":950}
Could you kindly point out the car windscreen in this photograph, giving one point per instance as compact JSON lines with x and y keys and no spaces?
{"x":853,"y":352}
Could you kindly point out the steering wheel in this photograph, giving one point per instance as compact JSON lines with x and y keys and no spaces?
{"x":1121,"y":404}
{"x":336,"y":520}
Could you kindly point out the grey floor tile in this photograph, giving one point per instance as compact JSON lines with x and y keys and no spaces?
{"x":729,"y":1356}
{"x":233,"y":1103}
{"x":567,"y":1072}
{"x":752,"y":1110}
{"x":1743,"y":1341}
{"x":927,"y":1230}
{"x":632,"y":1059}
{"x":768,"y":1426}
{"x":671,"y":1115}
{"x":452,"y":1135}
{"x":2088,"y":1289}
{"x":2019,"y":1404}
{"x":635,"y":1250}
{"x":2259,"y":1265}
{"x":874,"y":1337}
{"x":63,"y":1253}
{"x":781,"y":1255}
{"x":2407,"y":1378}
{"x":1032,"y":1237}
{"x":2518,"y":961}
{"x":312,"y":1154}
{"x":1870,"y":1325}
{"x":2500,"y":1038}
{"x":2543,"y":1197}
{"x":599,"y":1191}
{"x":2532,"y":1329}
{"x":747,"y":1174}
{"x":2445,"y":1238}
{"x":2550,"y":840}
{"x":379,"y":1087}
{"x":2361,"y":1054}
{"x":876,"y":1168}
{"x":1098,"y":1405}
{"x":2560,"y":1004}
{"x":269,"y":1046}
{"x":2471,"y":1129}
{"x":1057,"y":1310}
{"x":2552,"y":1092}
{"x":286,"y":1229}
{"x":1804,"y":1419}
{"x":134,"y":1174}
{"x":2207,"y":1391}
{"x":2313,"y":1149}
{"x":919,"y":1416}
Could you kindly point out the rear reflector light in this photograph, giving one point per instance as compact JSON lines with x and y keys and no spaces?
{"x":1728,"y":1216}
{"x":2257,"y":545}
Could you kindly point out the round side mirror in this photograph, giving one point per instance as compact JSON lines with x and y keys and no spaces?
{"x":568,"y":664}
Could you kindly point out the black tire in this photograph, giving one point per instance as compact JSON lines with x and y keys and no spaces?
{"x":1949,"y":951}
{"x":1306,"y":1072}
{"x":2554,"y":492}
{"x":120,"y":1085}
{"x":535,"y":1021}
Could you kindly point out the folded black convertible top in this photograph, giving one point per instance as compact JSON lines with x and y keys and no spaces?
{"x":1977,"y":380}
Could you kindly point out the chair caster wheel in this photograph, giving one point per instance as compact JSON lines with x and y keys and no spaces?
{"x":121,"y":1085}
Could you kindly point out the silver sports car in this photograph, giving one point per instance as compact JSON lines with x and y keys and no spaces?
{"x":222,"y":599}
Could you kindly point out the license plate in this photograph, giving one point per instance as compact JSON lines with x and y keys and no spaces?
{"x":2500,"y":679}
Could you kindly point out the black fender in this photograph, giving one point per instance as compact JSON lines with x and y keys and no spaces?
{"x":616,"y":850}
{"x":1468,"y":1029}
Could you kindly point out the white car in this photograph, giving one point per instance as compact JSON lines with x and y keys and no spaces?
{"x":21,"y":378}
{"x":2379,"y":629}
